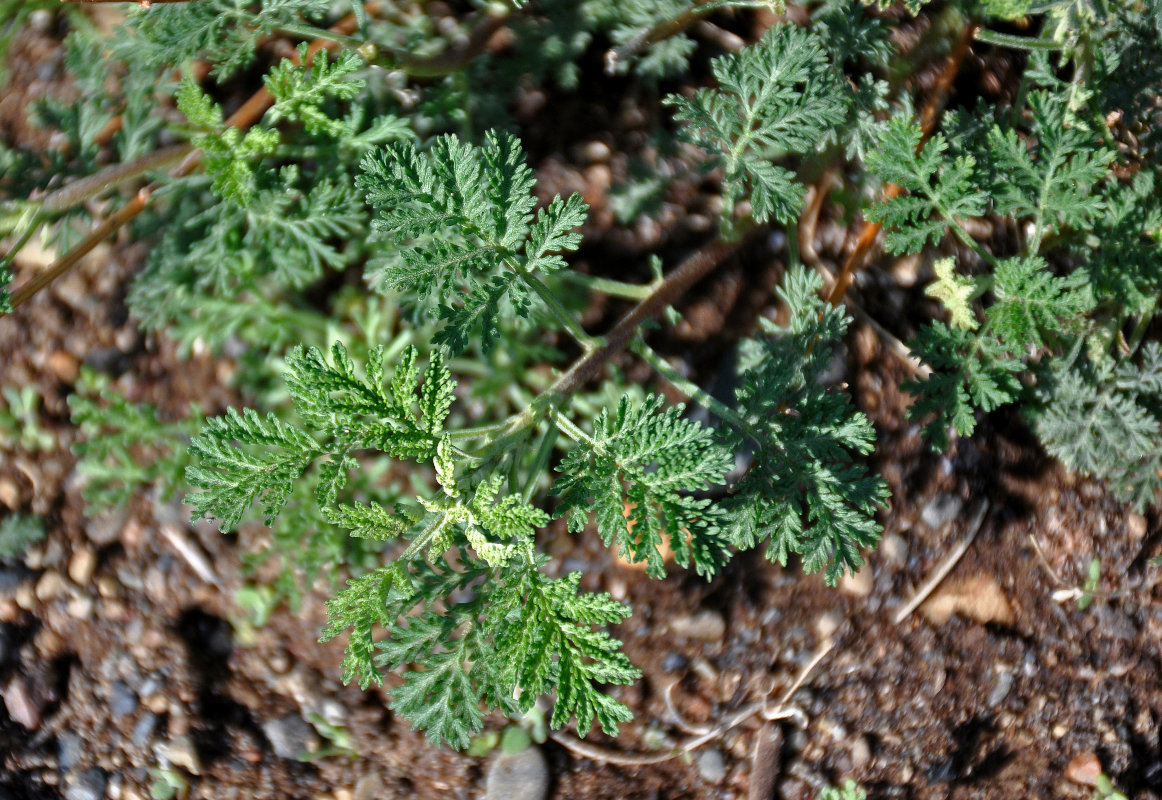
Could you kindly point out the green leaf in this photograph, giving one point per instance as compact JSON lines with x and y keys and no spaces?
{"x":246,"y":458}
{"x":778,"y":97}
{"x":939,"y":190}
{"x":636,"y":475}
{"x":300,"y":91}
{"x":806,"y":492}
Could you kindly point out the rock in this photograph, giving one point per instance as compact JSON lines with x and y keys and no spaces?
{"x":22,"y":703}
{"x":290,"y":736}
{"x":122,"y":700}
{"x":711,"y":766}
{"x":895,"y":549}
{"x":827,"y":624}
{"x":80,"y":607}
{"x":518,"y":776}
{"x":1084,"y":769}
{"x":144,"y":729}
{"x":181,"y":753}
{"x":369,"y":787}
{"x":857,"y":585}
{"x":82,"y":566}
{"x":1001,"y":688}
{"x":50,"y":586}
{"x":674,"y":662}
{"x":68,"y":751}
{"x":860,"y":753}
{"x":64,"y":365}
{"x":709,"y":626}
{"x":979,"y":598}
{"x":89,"y":785}
{"x":941,"y":509}
{"x":1136,"y":525}
{"x":105,"y":528}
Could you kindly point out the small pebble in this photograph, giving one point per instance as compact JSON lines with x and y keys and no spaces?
{"x":122,"y":700}
{"x":857,"y":585}
{"x":80,"y":607}
{"x":1084,"y":769}
{"x":68,"y":749}
{"x":1001,"y":688}
{"x":709,"y":626}
{"x":50,"y":586}
{"x":711,"y":766}
{"x":369,"y":787}
{"x":518,"y":776}
{"x":290,"y":736}
{"x":89,"y":785}
{"x":895,"y":548}
{"x":827,"y":624}
{"x":860,"y":752}
{"x":82,"y":566}
{"x":144,"y":729}
{"x":22,"y":704}
{"x":1136,"y":525}
{"x":180,"y":751}
{"x":941,"y":510}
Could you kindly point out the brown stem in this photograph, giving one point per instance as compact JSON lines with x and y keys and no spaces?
{"x":676,"y":284}
{"x":454,"y":58}
{"x":660,"y":32}
{"x":928,"y":118}
{"x":248,"y":114}
{"x":73,"y":257}
{"x":91,"y":186}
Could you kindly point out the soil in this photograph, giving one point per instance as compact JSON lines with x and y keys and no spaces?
{"x":120,"y":651}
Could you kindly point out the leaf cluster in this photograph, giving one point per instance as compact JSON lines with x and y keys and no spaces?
{"x":779,"y":97}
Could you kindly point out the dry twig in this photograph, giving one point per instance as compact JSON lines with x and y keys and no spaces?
{"x":946,"y":566}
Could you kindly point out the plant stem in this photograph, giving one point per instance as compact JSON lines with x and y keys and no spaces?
{"x":74,"y":256}
{"x":613,"y":288}
{"x":928,"y":117}
{"x":667,"y":292}
{"x":540,"y":460}
{"x":95,"y":185}
{"x":567,"y":427}
{"x":563,"y":317}
{"x":247,"y":114}
{"x":1026,"y":43}
{"x":691,"y":389}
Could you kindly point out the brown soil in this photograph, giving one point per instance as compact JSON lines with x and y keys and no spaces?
{"x":994,"y":701}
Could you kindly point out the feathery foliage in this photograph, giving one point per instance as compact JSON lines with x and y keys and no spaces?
{"x":806,"y":493}
{"x":417,"y":439}
{"x":474,"y":247}
{"x":636,"y":474}
{"x":776,"y":98}
{"x":18,"y":532}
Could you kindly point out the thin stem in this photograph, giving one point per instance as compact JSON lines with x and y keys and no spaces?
{"x":92,"y":186}
{"x":545,"y":446}
{"x":247,"y":114}
{"x":928,"y":117}
{"x":74,"y":256}
{"x":667,"y":292}
{"x":1025,"y":43}
{"x":620,"y":289}
{"x":691,"y":389}
{"x":311,"y":32}
{"x":563,"y":317}
{"x":567,"y":427}
{"x":31,"y":227}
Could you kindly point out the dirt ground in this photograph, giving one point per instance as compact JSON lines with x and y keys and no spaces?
{"x":118,"y":651}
